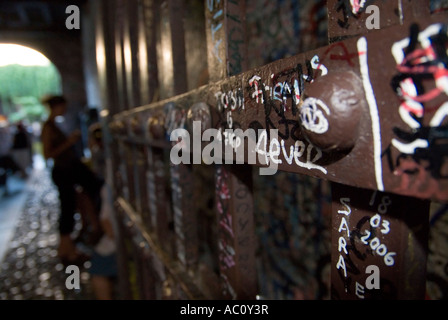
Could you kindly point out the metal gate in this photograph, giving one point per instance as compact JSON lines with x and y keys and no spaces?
{"x":209,"y":154}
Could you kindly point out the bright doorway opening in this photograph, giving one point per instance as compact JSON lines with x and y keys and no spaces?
{"x":26,"y":76}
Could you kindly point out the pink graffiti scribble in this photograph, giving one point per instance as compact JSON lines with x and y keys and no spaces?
{"x":226,"y":223}
{"x":221,"y":183}
{"x":357,"y":5}
{"x":413,"y":64}
{"x":226,"y":255}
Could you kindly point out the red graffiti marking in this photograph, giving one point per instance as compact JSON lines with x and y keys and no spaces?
{"x":342,"y":56}
{"x":414,"y":63}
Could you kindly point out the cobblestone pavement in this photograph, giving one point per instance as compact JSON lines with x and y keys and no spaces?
{"x":31,"y":269}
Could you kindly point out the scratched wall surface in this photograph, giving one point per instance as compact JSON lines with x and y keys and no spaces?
{"x":195,"y":44}
{"x":282,"y":28}
{"x":292,"y":215}
{"x":437,"y":270}
{"x":438,"y":5}
{"x":204,"y":195}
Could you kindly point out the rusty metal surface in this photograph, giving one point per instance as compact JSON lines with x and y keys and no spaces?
{"x":161,"y":215}
{"x":149,"y":78}
{"x":272,"y":97}
{"x":227,"y":55}
{"x":142,"y":202}
{"x":129,"y":167}
{"x":171,"y":48}
{"x":236,"y":235}
{"x":164,"y":265}
{"x":131,"y":59}
{"x":379,"y":245}
{"x":368,"y":112}
{"x":226,"y":38}
{"x":349,"y":18}
{"x":185,"y":216}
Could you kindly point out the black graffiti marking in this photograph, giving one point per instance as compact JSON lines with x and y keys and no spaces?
{"x":243,"y":208}
{"x":347,"y":281}
{"x":271,"y":106}
{"x":355,"y":236}
{"x":290,"y":79}
{"x":230,"y":100}
{"x":433,"y":157}
{"x":346,"y":8}
{"x":421,"y":71}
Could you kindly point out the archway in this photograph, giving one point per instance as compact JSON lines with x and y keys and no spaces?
{"x":26,"y":75}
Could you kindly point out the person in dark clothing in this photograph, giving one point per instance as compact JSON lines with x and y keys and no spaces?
{"x":69,"y":173}
{"x":8,"y":165}
{"x":21,"y":148}
{"x":21,"y":140}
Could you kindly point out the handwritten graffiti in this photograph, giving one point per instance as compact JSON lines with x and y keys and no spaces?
{"x":351,"y":8}
{"x":312,"y":117}
{"x":226,"y":235}
{"x":276,"y":94}
{"x":338,"y":51}
{"x":222,"y":201}
{"x":356,"y":244}
{"x":280,"y":98}
{"x":230,"y":100}
{"x":291,"y":88}
{"x":422,"y":85}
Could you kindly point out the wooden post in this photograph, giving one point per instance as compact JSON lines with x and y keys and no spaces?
{"x":160,"y":214}
{"x":236,"y":237}
{"x":111,"y":96}
{"x":148,"y":20}
{"x":184,"y":214}
{"x":172,"y":44}
{"x":226,"y":43}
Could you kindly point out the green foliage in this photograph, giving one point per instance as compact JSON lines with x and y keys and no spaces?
{"x":22,"y":87}
{"x":29,"y":108}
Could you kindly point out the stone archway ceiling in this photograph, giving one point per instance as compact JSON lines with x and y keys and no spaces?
{"x":28,"y":15}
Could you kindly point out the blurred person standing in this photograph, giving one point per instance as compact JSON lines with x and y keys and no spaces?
{"x":103,"y":268}
{"x":7,"y":163}
{"x":21,"y":148}
{"x":69,"y":174}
